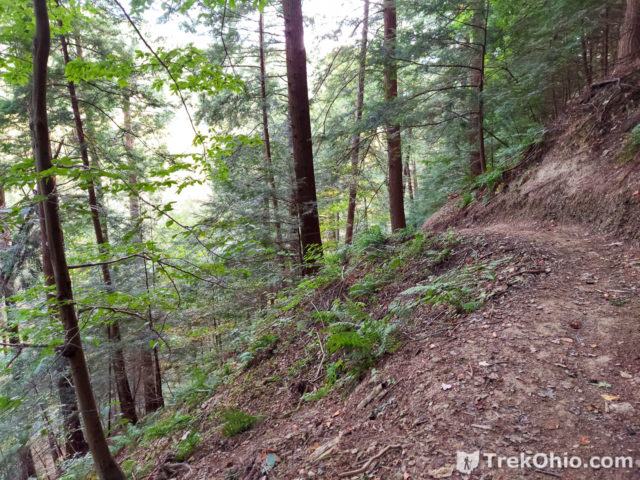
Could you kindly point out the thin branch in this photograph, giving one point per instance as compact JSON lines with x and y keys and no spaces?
{"x":164,"y":65}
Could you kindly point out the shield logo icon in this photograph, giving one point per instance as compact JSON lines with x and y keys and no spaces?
{"x":467,"y":462}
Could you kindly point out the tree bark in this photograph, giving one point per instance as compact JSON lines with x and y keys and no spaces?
{"x":629,"y":45}
{"x":266,"y":138}
{"x":127,"y":401}
{"x":355,"y":143}
{"x":394,"y":142}
{"x":605,"y":43}
{"x":306,"y":199}
{"x":105,"y":465}
{"x":5,"y":242}
{"x":407,"y":167}
{"x":74,"y":441}
{"x":27,"y":465}
{"x":477,"y":158}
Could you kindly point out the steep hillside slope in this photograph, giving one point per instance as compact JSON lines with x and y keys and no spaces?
{"x":548,"y":363}
{"x":586,"y":170}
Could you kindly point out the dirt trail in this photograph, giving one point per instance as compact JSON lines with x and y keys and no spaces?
{"x":525,"y":374}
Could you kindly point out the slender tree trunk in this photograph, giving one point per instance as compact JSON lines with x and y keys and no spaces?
{"x":394,"y":142}
{"x":27,"y":465}
{"x":106,"y":467}
{"x":294,"y":214}
{"x":629,"y":45}
{"x":478,"y":159}
{"x":586,"y":61}
{"x":407,"y":166}
{"x":306,"y":200}
{"x":152,"y":390}
{"x":267,"y":141}
{"x":127,"y":402}
{"x":5,"y":242}
{"x":74,"y":442}
{"x":355,"y":142}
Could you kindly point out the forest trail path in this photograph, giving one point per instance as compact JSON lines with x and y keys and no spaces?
{"x":527,"y":373}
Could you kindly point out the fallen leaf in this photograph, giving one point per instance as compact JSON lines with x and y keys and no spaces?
{"x":636,"y":193}
{"x":446,"y":386}
{"x":338,"y":412}
{"x":610,"y":398}
{"x":585,"y":441}
{"x":405,"y":475}
{"x":575,"y":325}
{"x":626,"y":375}
{"x":566,"y":340}
{"x":594,"y":345}
{"x":553,"y":427}
{"x":484,"y":364}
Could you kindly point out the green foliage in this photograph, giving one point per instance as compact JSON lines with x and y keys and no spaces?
{"x":177,"y":421}
{"x":265,"y":342}
{"x":631,"y":148}
{"x":317,"y":395}
{"x":236,"y":421}
{"x":201,"y":387}
{"x":457,"y":288}
{"x":186,"y":446}
{"x":366,"y":287}
{"x":369,"y":241}
{"x":361,"y":339}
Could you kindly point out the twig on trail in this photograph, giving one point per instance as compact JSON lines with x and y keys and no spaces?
{"x":318,"y":373}
{"x":532,"y":272}
{"x":439,"y":331}
{"x":551,"y":474}
{"x":481,"y":427}
{"x":368,"y":463}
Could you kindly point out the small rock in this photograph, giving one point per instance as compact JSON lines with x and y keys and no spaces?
{"x":624,"y":408}
{"x":443,"y":472}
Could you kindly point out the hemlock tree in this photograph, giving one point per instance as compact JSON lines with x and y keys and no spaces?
{"x":106,"y":466}
{"x":629,"y":46}
{"x":355,"y":146}
{"x":306,"y":200}
{"x":394,"y":140}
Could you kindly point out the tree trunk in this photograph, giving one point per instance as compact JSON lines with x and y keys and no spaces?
{"x":629,"y":46}
{"x":152,"y":390}
{"x":394,"y":142}
{"x":407,"y":167}
{"x":586,"y":62}
{"x":5,"y":242}
{"x":355,"y":143}
{"x":106,"y":467}
{"x":27,"y":465}
{"x":306,"y":200}
{"x":127,"y":402}
{"x":267,"y":141}
{"x":74,"y":442}
{"x":477,"y":159}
